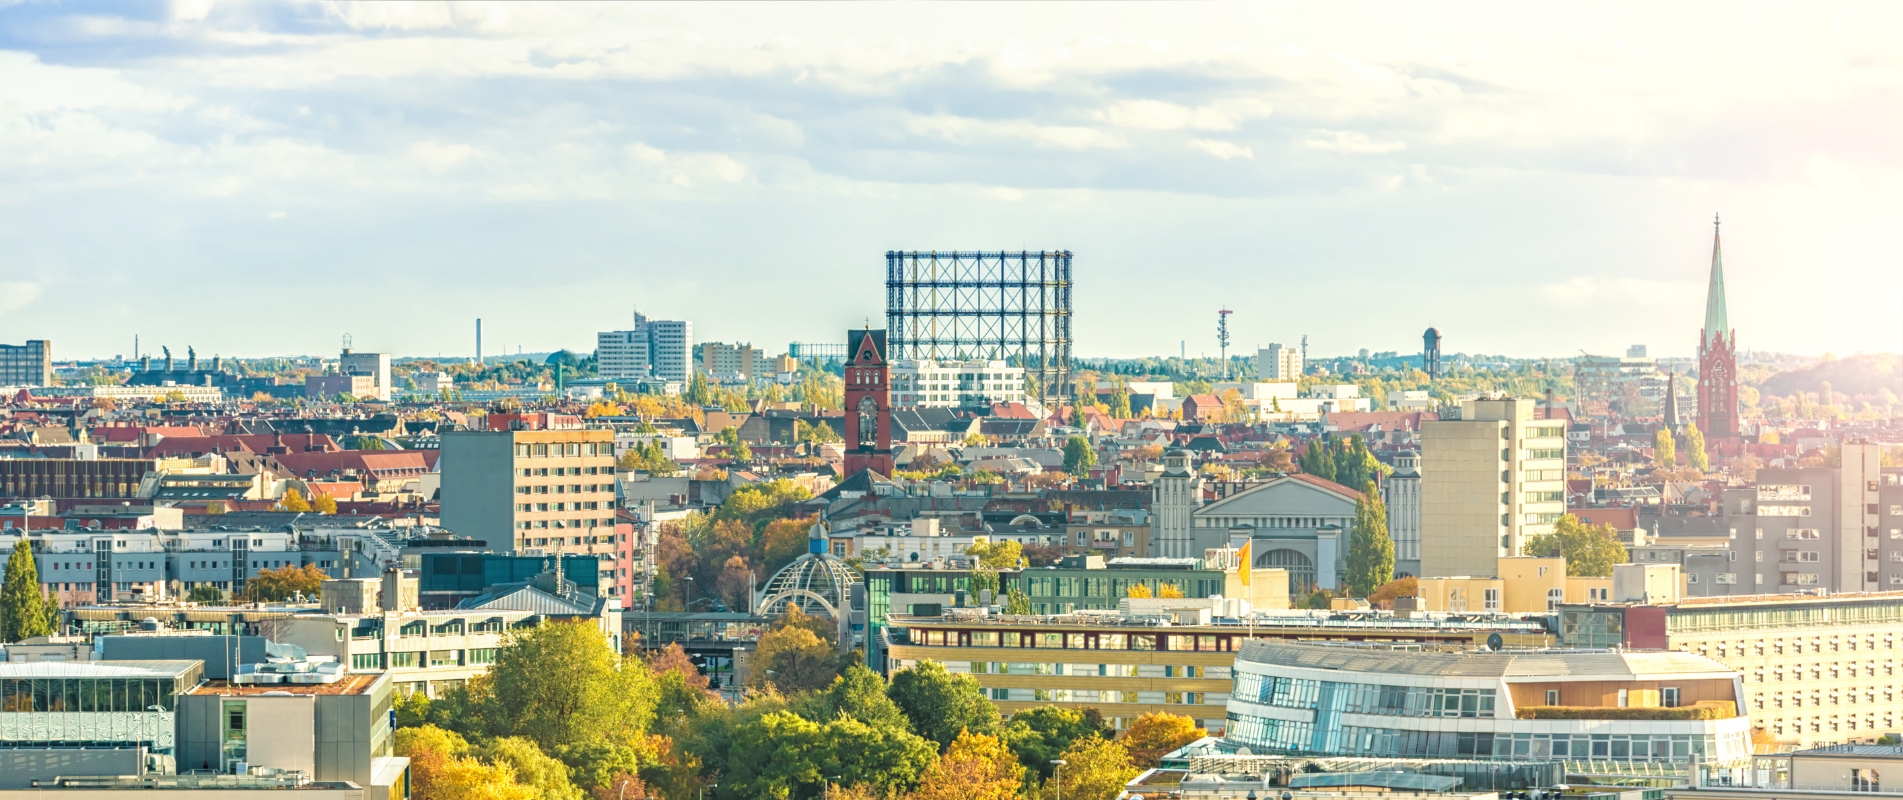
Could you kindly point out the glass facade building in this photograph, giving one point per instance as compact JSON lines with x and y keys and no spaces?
{"x":93,"y":702}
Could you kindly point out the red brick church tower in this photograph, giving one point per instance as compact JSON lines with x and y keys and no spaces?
{"x":1717,"y":357}
{"x":868,"y":404}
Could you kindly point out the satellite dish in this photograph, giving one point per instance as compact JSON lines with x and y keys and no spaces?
{"x":1494,"y":642}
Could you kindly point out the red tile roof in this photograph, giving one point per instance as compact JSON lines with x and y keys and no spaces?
{"x":1621,"y":519}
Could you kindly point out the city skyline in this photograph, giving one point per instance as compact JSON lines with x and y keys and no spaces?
{"x":1529,"y":186}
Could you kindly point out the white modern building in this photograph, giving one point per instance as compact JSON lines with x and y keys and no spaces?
{"x":656,"y":349}
{"x":925,"y":383}
{"x":1278,"y":362}
{"x":1672,"y":710}
{"x":375,"y":366}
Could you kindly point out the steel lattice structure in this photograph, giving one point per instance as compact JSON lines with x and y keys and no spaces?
{"x":1013,"y":307}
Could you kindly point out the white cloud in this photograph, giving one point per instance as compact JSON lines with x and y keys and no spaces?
{"x":1350,"y":142}
{"x":1157,"y":115}
{"x":969,"y":131}
{"x":15,"y":295}
{"x":438,"y":156}
{"x":1222,"y":150}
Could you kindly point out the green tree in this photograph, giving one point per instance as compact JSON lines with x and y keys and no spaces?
{"x":1318,"y":459}
{"x":1094,"y":769}
{"x":1664,"y":450}
{"x":1370,"y":551}
{"x":783,"y":755}
{"x":207,"y":595}
{"x":941,"y":704}
{"x":794,"y":660}
{"x":547,"y":775}
{"x":369,"y":443}
{"x":1038,"y":735}
{"x":1695,"y":448}
{"x":563,"y":687}
{"x":860,"y":694}
{"x":1017,"y":602}
{"x":285,"y":583}
{"x":25,"y":611}
{"x":1079,"y":457}
{"x":1120,"y":399}
{"x":740,"y":452}
{"x":1589,"y":550}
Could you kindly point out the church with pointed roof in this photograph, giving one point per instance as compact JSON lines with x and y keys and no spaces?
{"x":1717,"y":357}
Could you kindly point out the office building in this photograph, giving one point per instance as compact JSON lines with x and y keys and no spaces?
{"x":655,"y":349}
{"x":1675,"y":712}
{"x":103,"y":566}
{"x":340,"y":729}
{"x":101,"y":478}
{"x":1832,"y":528}
{"x":1815,"y":670}
{"x":1401,"y":493}
{"x":531,"y":481}
{"x":976,"y":384}
{"x":100,"y":703}
{"x":29,"y":364}
{"x":1489,"y":480}
{"x":1146,"y":656}
{"x":730,"y":363}
{"x":1279,"y":362}
{"x":375,"y":366}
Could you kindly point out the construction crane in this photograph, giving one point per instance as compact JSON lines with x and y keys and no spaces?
{"x":1222,"y":338}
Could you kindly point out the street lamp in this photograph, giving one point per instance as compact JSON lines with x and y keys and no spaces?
{"x":1060,"y":776}
{"x":827,"y":789}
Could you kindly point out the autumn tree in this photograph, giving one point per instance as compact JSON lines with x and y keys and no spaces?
{"x":1370,"y":550}
{"x":293,"y":500}
{"x":794,"y":660}
{"x":442,"y":768}
{"x":1000,"y":554}
{"x":1138,"y":590}
{"x":1094,"y":769}
{"x":1155,"y":734}
{"x":1664,"y":450}
{"x":940,"y":704}
{"x":283,"y":583}
{"x":974,"y":767}
{"x":25,"y":611}
{"x":323,"y":503}
{"x":1399,"y":587}
{"x":1039,"y":735}
{"x":1589,"y":550}
{"x":1695,"y":448}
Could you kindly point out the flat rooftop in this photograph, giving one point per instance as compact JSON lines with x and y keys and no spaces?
{"x":354,"y":683}
{"x":19,"y":670}
{"x":1549,"y":663}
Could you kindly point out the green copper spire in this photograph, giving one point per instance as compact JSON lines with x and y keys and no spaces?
{"x":1716,"y":326}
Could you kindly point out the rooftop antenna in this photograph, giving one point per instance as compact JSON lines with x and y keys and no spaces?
{"x":1222,"y":338}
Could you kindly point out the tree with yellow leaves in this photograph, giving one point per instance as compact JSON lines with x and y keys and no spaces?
{"x":293,"y":500}
{"x":1169,"y":591}
{"x":1139,"y":590}
{"x":323,"y":503}
{"x":441,"y":769}
{"x":1155,"y":734}
{"x":1094,"y":769}
{"x":974,"y":767}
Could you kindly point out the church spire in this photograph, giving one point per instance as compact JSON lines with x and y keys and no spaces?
{"x":1717,"y":327}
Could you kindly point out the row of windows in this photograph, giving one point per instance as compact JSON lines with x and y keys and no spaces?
{"x":527,"y":472}
{"x":1105,"y":696}
{"x":564,"y":523}
{"x":1798,"y":644}
{"x":86,"y":694}
{"x":559,"y":449}
{"x":577,"y":506}
{"x":1074,"y":641}
{"x":1097,"y":670}
{"x":412,"y":659}
{"x":1388,"y":742}
{"x":577,"y":488}
{"x":1363,"y":698}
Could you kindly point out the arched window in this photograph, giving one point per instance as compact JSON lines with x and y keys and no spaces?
{"x":868,"y":421}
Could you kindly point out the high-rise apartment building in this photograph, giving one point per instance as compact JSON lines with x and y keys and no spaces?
{"x":1401,"y":493}
{"x":656,"y":349}
{"x":1488,"y":480}
{"x":726,"y":361}
{"x":925,"y":383}
{"x":1279,"y":362}
{"x":531,"y":481}
{"x":29,"y":364}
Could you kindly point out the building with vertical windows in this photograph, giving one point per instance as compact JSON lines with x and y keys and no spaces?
{"x":868,"y":404}
{"x":83,"y":566}
{"x":1815,"y":669}
{"x":1401,"y":493}
{"x":655,"y":349}
{"x":341,"y":730}
{"x":1176,"y":494}
{"x":976,"y":384}
{"x":1489,"y":480}
{"x":731,"y":362}
{"x":537,"y":481}
{"x":1676,"y":712}
{"x":96,"y":703}
{"x":29,"y":364}
{"x":375,"y":366}
{"x":1279,"y":362}
{"x":1128,"y":663}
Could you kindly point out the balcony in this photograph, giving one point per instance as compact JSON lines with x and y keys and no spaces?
{"x":1703,"y":710}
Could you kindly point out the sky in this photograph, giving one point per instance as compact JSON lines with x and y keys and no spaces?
{"x":257,"y":179}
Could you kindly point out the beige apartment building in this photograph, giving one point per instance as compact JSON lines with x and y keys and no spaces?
{"x":550,"y":488}
{"x":1816,"y":670}
{"x":1489,"y":480}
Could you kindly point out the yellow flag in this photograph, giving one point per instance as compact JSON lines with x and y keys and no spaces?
{"x":1243,"y":562}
